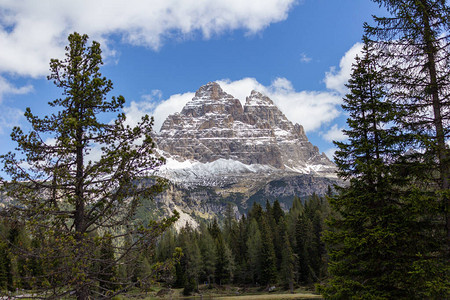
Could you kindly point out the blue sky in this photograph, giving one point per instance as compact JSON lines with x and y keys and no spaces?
{"x":158,"y":53}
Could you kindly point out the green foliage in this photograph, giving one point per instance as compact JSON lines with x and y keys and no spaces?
{"x":414,"y":44}
{"x":255,"y":250}
{"x":107,"y":267}
{"x":387,"y":224}
{"x":208,"y":252}
{"x":268,"y":258}
{"x":77,"y":181}
{"x":287,"y":263}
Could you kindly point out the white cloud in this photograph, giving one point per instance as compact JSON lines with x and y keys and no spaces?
{"x":32,"y":32}
{"x":330,"y":153}
{"x":334,"y":134}
{"x":159,"y":111}
{"x":9,"y":118}
{"x":174,"y":104}
{"x":311,"y":109}
{"x":7,"y":88}
{"x":304,"y":58}
{"x":336,"y":79}
{"x":137,"y":110}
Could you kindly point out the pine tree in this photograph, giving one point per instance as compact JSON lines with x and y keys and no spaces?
{"x":5,"y":260}
{"x":77,"y":175}
{"x":414,"y":44}
{"x":224,"y":262}
{"x":278,"y":213}
{"x":194,"y":262}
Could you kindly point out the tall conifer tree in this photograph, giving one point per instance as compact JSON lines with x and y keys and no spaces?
{"x":414,"y":45}
{"x":381,"y":233}
{"x":78,"y":178}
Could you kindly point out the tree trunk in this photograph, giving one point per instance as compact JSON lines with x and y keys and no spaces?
{"x":437,"y":118}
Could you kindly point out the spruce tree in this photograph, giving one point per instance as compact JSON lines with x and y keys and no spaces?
{"x":303,"y":242}
{"x":254,"y":251}
{"x":77,"y":178}
{"x":278,"y":213}
{"x":414,"y":45}
{"x":107,"y":268}
{"x":380,"y":234}
{"x":287,"y":262}
{"x":268,"y":257}
{"x":208,"y":252}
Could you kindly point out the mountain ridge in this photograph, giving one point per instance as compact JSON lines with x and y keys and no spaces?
{"x":219,"y":152}
{"x":214,"y":125}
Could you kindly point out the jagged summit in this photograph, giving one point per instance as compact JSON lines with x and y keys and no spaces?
{"x":211,"y":90}
{"x":258,"y":99}
{"x":211,"y":99}
{"x":214,"y":125}
{"x":219,"y":152}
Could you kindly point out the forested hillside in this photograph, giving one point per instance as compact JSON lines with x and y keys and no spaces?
{"x":268,"y":247}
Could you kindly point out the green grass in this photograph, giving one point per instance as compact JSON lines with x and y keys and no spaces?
{"x":222,"y":293}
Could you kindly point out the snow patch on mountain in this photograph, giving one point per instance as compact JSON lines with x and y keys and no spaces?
{"x":211,"y":173}
{"x":214,"y":140}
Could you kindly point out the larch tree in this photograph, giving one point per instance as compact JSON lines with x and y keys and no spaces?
{"x":77,"y":181}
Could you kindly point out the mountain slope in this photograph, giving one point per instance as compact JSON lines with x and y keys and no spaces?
{"x":214,"y":125}
{"x":220,"y":152}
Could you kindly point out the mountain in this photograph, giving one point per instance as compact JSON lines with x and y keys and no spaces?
{"x":220,"y":152}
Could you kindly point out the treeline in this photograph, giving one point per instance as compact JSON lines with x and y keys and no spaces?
{"x":266,"y":247}
{"x":27,"y":264}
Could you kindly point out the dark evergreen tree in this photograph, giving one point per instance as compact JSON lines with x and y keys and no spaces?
{"x":287,"y":264}
{"x":229,"y":221}
{"x":215,"y":230}
{"x":278,"y":212}
{"x":6,"y":276}
{"x":256,"y":212}
{"x":107,"y":277}
{"x":379,"y":235}
{"x":414,"y":44}
{"x":181,"y":279}
{"x":268,"y":257}
{"x":65,"y":194}
{"x":208,"y":252}
{"x":194,"y":262}
{"x":166,"y":245}
{"x":254,"y":251}
{"x":303,"y":243}
{"x":224,"y":262}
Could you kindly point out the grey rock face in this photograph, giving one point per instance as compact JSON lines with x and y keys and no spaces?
{"x":214,"y":125}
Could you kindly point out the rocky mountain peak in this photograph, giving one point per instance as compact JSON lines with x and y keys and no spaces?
{"x":214,"y":125}
{"x":211,"y":90}
{"x":258,"y":99}
{"x":211,"y":99}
